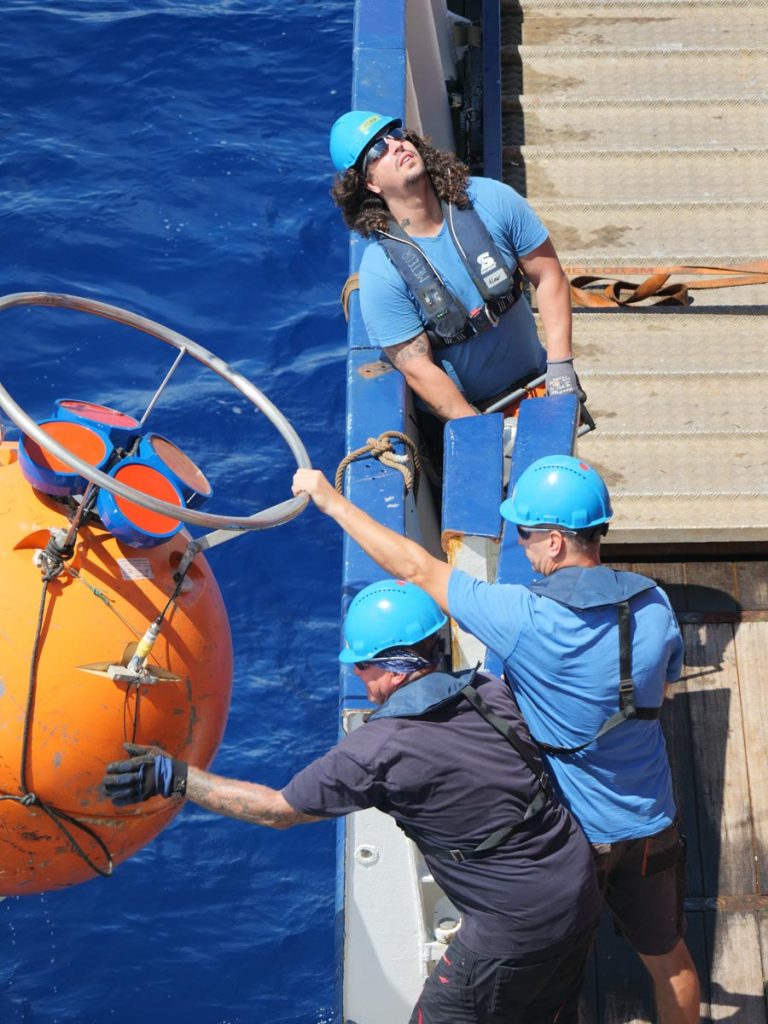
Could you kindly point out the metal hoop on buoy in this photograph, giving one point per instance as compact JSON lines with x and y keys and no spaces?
{"x":275,"y":515}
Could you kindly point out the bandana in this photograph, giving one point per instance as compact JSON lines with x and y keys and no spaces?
{"x":402,"y":660}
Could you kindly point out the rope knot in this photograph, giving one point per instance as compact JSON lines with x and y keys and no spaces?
{"x":381,"y":448}
{"x":28,"y":799}
{"x":379,"y":445}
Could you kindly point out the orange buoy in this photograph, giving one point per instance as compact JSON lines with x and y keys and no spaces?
{"x":63,"y":718}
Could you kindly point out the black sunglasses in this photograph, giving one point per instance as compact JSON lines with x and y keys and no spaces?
{"x":524,"y":532}
{"x":378,"y":148}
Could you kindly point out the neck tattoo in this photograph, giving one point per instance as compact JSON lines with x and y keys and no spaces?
{"x":405,"y":222}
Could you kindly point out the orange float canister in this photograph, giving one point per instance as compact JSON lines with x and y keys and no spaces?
{"x":77,"y":718}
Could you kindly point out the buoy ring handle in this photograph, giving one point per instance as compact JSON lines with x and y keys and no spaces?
{"x":268,"y":517}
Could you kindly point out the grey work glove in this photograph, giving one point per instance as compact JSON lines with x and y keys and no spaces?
{"x":562,"y":379}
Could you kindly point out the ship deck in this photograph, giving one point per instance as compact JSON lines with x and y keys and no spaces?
{"x":637,"y":131}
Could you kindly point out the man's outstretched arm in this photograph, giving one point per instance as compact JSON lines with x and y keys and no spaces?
{"x":151,"y":771}
{"x":396,"y":554}
{"x":246,"y":801}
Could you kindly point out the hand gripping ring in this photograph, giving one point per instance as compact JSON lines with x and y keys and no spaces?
{"x":268,"y":517}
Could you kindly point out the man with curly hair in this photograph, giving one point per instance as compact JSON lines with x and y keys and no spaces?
{"x":439,"y":290}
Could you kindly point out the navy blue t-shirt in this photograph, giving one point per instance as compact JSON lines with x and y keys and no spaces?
{"x":452,"y":777}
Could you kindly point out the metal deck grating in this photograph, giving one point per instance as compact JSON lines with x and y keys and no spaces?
{"x":680,"y":401}
{"x":637,"y":130}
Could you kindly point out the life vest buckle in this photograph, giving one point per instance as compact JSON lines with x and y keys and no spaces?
{"x":493,"y":318}
{"x":482,"y":318}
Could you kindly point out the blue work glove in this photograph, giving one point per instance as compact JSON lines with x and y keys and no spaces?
{"x":150,"y":772}
{"x":562,"y":379}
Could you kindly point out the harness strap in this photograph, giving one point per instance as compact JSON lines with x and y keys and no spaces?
{"x":505,"y":729}
{"x":484,"y":317}
{"x":501,"y":835}
{"x":494,"y":840}
{"x":627,"y":708}
{"x":448,"y":321}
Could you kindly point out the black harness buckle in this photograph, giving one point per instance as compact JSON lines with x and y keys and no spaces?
{"x":482,"y":318}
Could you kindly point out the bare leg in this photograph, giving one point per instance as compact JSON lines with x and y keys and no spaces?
{"x":676,"y":985}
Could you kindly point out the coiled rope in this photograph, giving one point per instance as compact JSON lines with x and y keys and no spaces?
{"x":381,"y":448}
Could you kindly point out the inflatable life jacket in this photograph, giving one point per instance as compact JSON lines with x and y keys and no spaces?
{"x":597,"y":587}
{"x":447,"y":320}
{"x":434,"y":691}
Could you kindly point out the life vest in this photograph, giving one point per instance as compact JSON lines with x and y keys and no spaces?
{"x":437,"y":690}
{"x":448,"y":322}
{"x":598,"y":587}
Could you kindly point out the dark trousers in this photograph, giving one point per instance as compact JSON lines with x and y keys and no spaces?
{"x":539,"y":988}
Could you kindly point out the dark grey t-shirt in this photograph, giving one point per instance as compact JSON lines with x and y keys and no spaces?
{"x":456,"y":780}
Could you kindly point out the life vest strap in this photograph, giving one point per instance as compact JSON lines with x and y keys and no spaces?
{"x":483,"y":317}
{"x":627,"y":708}
{"x":447,"y":320}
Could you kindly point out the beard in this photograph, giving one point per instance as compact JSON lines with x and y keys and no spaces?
{"x":415,"y":174}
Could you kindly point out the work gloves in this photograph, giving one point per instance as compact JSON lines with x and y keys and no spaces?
{"x":562,"y":379}
{"x":149,"y":772}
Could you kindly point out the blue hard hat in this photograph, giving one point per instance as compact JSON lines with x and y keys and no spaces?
{"x":390,"y":613}
{"x":559,"y":490}
{"x":353,"y":132}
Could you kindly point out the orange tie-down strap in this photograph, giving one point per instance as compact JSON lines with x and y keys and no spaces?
{"x":599,"y":288}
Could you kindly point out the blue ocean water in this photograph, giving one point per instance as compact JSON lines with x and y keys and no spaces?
{"x":171,"y":158}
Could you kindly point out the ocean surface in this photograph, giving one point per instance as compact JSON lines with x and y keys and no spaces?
{"x":171,"y":158}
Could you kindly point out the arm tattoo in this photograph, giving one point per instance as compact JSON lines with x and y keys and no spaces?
{"x":246,"y":801}
{"x":416,"y":348}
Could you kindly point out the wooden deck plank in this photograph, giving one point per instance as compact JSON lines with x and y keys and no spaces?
{"x":762,"y":925}
{"x":696,"y":941}
{"x":752,"y":582}
{"x":736,"y":973}
{"x":752,"y":660}
{"x":711,"y":587}
{"x":588,"y":1001}
{"x":675,"y":722}
{"x":717,"y":742}
{"x":670,"y":576}
{"x":624,"y":991}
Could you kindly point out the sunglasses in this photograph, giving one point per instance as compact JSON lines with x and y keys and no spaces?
{"x":524,"y":532}
{"x":379,"y":148}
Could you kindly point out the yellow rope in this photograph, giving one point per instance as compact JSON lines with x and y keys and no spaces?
{"x":381,"y":448}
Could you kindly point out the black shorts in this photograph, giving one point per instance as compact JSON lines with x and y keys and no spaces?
{"x":539,"y":988}
{"x":643,"y":882}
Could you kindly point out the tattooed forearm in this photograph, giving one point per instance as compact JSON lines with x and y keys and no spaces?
{"x":246,"y":801}
{"x":428,"y":380}
{"x":417,"y":348}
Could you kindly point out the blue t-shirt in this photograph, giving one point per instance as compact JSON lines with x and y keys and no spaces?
{"x":454,"y":779}
{"x":500,"y":356}
{"x":563,"y":666}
